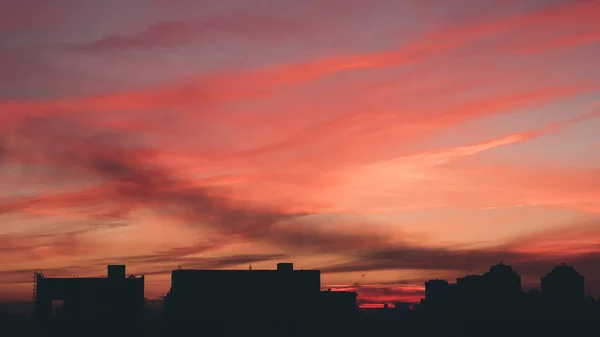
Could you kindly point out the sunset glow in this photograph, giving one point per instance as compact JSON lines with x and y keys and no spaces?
{"x":384,"y":142}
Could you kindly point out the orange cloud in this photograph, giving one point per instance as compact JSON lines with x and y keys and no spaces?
{"x":38,"y":248}
{"x":562,"y":242}
{"x":130,"y":180}
{"x":313,"y":157}
{"x":419,"y":179}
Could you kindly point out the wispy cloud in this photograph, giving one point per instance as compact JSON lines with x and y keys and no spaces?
{"x":220,"y":27}
{"x":93,"y":269}
{"x":530,"y":256}
{"x":128,"y":179}
{"x":383,"y":135}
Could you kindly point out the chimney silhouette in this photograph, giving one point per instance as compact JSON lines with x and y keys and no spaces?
{"x":116,"y":271}
{"x":285,"y":266}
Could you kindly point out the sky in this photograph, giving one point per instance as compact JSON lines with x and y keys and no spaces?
{"x":384,"y":142}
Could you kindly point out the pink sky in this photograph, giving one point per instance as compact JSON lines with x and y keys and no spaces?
{"x":384,"y":142}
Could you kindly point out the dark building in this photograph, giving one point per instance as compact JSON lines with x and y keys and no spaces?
{"x":216,"y":294}
{"x":504,"y":278}
{"x":503,"y":285}
{"x":439,"y":296}
{"x":284,"y":293}
{"x":338,"y":303}
{"x":403,"y":310}
{"x":493,"y":293}
{"x":437,"y":291}
{"x":563,"y":285}
{"x":472,"y":290}
{"x":117,"y":296}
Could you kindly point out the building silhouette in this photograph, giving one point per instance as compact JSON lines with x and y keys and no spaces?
{"x":563,"y":285}
{"x":497,"y":292}
{"x":337,"y":304}
{"x":280,"y":294}
{"x":437,"y":291}
{"x":502,"y":290}
{"x":286,"y":301}
{"x":440,"y":296}
{"x":114,"y":297}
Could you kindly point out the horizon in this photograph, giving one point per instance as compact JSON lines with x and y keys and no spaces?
{"x":369,"y":303}
{"x":383,"y":142}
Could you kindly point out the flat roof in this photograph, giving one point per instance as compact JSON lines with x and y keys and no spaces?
{"x":243,"y":271}
{"x":90,"y":278}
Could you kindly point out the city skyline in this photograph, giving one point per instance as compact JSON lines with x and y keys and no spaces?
{"x":382,"y":142}
{"x":290,"y":301}
{"x":194,"y":291}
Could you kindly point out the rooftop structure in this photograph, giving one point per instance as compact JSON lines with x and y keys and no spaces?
{"x":284,"y":292}
{"x":116,"y":296}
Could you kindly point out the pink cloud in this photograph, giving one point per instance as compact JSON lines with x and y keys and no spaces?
{"x":244,"y":85}
{"x":561,"y":42}
{"x":311,"y":155}
{"x":424,"y":180}
{"x":213,"y":29}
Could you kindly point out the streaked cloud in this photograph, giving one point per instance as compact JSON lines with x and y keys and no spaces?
{"x":218,"y":134}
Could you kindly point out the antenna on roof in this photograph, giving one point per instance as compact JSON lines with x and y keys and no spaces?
{"x":178,"y":267}
{"x":250,"y":267}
